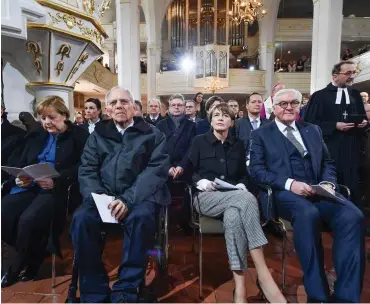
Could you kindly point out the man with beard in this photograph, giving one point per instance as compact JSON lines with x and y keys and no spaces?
{"x":339,"y":111}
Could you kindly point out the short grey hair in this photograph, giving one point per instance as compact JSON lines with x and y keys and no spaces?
{"x":177,"y":96}
{"x":156,"y":100}
{"x":118,"y":88}
{"x":279,"y":94}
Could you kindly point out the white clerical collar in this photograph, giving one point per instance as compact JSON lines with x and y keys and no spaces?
{"x":123,"y":130}
{"x":282,"y":127}
{"x":338,"y":100}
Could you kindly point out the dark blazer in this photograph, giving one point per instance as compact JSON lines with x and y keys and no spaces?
{"x":133,"y":167}
{"x":202,"y":126}
{"x":270,"y":163}
{"x":154,"y":123}
{"x":243,"y":129}
{"x":69,"y":147}
{"x":211,"y":159}
{"x":178,"y":142}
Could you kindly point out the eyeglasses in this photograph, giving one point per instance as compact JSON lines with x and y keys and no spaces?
{"x":284,"y":104}
{"x":176,"y":105}
{"x":349,"y":73}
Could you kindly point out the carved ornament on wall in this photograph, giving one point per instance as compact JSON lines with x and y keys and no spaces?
{"x":34,"y":48}
{"x":88,"y":6}
{"x":60,"y":66}
{"x":64,"y":50}
{"x":80,"y":61}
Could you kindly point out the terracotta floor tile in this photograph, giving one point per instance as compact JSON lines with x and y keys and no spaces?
{"x":6,"y":296}
{"x":26,"y":298}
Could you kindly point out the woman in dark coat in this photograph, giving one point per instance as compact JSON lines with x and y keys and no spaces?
{"x":32,"y":214}
{"x":200,"y":105}
{"x":93,"y":114}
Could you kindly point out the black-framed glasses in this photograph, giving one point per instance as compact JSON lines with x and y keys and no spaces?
{"x":285,"y":104}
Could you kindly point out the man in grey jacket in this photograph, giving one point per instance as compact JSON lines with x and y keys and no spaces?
{"x":124,"y":158}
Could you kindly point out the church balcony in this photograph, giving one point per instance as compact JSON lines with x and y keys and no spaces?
{"x":363,"y":66}
{"x":300,"y":81}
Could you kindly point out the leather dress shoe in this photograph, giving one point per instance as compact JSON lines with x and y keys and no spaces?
{"x":27,"y":276}
{"x":9,"y":278}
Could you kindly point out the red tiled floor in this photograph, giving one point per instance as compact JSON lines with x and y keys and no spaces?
{"x":182,"y":282}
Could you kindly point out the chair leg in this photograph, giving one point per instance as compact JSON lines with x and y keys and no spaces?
{"x":53,"y":272}
{"x":283,"y":253}
{"x":200,"y":265}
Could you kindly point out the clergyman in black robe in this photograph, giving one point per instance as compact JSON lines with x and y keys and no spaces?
{"x":339,"y":111}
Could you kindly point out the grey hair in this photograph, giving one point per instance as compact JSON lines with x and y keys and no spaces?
{"x":118,"y":88}
{"x":156,"y":100}
{"x":177,"y":96}
{"x":279,"y":94}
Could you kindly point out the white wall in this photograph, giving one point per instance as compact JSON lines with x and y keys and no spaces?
{"x":15,"y":96}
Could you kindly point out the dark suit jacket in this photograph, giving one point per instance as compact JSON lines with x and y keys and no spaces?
{"x":178,"y":141}
{"x":243,"y":129}
{"x":203,"y":126}
{"x":148,"y":120}
{"x":270,"y":163}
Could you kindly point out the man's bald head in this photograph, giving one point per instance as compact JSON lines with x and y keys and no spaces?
{"x":121,"y":103}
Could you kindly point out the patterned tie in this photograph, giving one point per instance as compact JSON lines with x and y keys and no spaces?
{"x":254,"y":124}
{"x":294,"y":141}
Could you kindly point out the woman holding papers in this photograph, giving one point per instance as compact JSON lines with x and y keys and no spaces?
{"x":215,"y":157}
{"x":33,"y":206}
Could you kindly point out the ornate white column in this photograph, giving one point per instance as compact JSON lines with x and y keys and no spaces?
{"x":267,"y":31}
{"x":52,"y":52}
{"x":326,"y":40}
{"x":128,"y":45}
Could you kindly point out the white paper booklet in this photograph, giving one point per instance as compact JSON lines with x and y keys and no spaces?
{"x":329,"y":193}
{"x":102,"y":202}
{"x":37,"y":171}
{"x":221,"y":185}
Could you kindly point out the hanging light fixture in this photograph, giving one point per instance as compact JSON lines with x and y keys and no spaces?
{"x":248,"y":11}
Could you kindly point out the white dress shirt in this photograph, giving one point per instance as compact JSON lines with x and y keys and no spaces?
{"x":121,"y":130}
{"x":298,"y":137}
{"x":92,"y":125}
{"x":268,"y":107}
{"x":154,"y":117}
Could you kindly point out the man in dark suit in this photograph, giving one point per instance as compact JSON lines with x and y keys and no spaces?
{"x":179,"y":132}
{"x":191,"y":111}
{"x":154,"y":112}
{"x":251,"y":121}
{"x":291,"y":156}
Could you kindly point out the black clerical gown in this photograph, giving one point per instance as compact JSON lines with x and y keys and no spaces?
{"x":344,"y":147}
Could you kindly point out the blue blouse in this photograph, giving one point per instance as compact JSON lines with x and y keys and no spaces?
{"x":46,"y":156}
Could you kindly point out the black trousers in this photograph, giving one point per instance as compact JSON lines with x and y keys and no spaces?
{"x":25,"y":224}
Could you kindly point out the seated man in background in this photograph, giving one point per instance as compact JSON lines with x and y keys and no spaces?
{"x":251,"y":121}
{"x":203,"y":126}
{"x":291,"y":156}
{"x":124,"y":158}
{"x":179,"y":133}
{"x":138,"y":109}
{"x":154,"y":115}
{"x":191,"y":111}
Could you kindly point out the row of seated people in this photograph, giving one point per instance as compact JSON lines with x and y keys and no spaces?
{"x":131,"y":160}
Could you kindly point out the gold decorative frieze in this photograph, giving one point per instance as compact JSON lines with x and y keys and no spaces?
{"x":88,"y":6}
{"x":84,"y":56}
{"x":34,"y":48}
{"x":71,"y":22}
{"x":72,"y":11}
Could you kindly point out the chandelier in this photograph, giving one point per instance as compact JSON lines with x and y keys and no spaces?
{"x":213,"y":84}
{"x":247,"y":11}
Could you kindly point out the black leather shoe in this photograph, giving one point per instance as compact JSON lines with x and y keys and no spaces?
{"x":27,"y":276}
{"x":9,"y":279}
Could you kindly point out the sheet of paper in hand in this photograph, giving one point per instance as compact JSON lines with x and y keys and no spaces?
{"x":36,"y":171}
{"x":221,"y":185}
{"x":324,"y":191}
{"x":102,"y":202}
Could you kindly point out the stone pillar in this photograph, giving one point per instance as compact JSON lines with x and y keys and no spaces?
{"x":128,"y":45}
{"x":41,"y":91}
{"x":112,"y":61}
{"x":267,"y":31}
{"x":153,"y":52}
{"x":326,"y":41}
{"x":227,"y":21}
